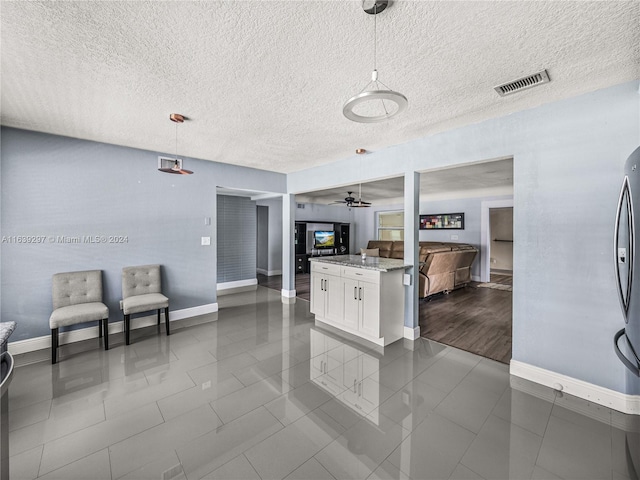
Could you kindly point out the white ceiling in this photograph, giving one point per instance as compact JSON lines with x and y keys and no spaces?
{"x":263,"y":82}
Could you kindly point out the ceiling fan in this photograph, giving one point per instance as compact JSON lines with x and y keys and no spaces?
{"x":351,"y":201}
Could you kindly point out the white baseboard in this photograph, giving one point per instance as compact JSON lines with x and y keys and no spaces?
{"x":40,"y":343}
{"x":268,"y":273}
{"x":288,"y":293}
{"x":602,"y":396}
{"x":193,"y":311}
{"x":412,"y":333}
{"x":237,"y":283}
{"x":238,"y":286}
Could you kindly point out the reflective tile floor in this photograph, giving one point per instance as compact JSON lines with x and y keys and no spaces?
{"x":263,"y":393}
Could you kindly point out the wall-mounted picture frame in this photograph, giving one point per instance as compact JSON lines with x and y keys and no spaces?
{"x":441,"y":221}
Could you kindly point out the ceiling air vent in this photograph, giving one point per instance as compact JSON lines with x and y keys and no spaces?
{"x":523,"y":83}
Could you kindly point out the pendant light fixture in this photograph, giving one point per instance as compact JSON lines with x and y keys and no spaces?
{"x":383,"y":103}
{"x":177,"y":166}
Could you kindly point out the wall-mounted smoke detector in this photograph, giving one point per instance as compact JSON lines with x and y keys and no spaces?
{"x":523,"y":83}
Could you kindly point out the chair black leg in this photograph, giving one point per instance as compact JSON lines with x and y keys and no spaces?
{"x":54,"y":345}
{"x":100,"y":328}
{"x":126,"y":329}
{"x":158,"y":316}
{"x":105,"y":327}
{"x":166,"y":319}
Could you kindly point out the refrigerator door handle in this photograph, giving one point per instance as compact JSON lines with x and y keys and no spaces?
{"x":635,"y":369}
{"x":625,"y":194}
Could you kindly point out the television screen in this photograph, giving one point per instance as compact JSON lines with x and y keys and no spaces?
{"x":324,"y":239}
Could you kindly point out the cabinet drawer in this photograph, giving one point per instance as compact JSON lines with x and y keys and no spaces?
{"x":320,"y":267}
{"x":361,"y":274}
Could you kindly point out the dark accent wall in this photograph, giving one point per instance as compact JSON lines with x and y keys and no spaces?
{"x":237,"y":229}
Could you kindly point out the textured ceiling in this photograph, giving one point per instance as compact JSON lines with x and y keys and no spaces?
{"x":263,"y":82}
{"x":479,"y":179}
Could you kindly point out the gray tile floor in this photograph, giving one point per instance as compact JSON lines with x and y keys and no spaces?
{"x":262,"y":393}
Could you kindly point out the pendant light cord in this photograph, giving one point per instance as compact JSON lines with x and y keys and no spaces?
{"x":375,"y":33}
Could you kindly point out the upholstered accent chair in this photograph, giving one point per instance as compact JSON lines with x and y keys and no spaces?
{"x":77,"y":298}
{"x":142,"y":292}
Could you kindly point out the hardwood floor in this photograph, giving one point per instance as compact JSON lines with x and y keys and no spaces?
{"x":477,"y":320}
{"x":501,"y":278}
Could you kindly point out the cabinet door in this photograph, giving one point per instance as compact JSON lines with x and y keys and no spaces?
{"x":351,"y":303}
{"x":317,"y":294}
{"x":369,"y":308}
{"x":334,"y":306}
{"x":318,"y":354}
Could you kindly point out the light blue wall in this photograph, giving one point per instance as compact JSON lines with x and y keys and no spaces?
{"x":568,"y":159}
{"x":324,"y":213}
{"x":58,"y":186}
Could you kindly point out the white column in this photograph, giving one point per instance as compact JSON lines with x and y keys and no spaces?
{"x":411,"y":252}
{"x":288,"y":247}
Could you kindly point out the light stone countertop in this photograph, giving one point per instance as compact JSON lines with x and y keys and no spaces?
{"x":380,"y":264}
{"x":6,"y":329}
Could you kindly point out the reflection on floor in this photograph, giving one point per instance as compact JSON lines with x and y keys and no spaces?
{"x":256,"y":391}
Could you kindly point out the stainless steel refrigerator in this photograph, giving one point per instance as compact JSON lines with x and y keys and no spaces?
{"x":627,"y":261}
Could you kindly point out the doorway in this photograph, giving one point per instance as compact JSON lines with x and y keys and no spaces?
{"x":497,"y":240}
{"x":262,"y":239}
{"x":501,"y":245}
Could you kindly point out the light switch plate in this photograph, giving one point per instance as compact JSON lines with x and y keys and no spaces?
{"x":205,"y":241}
{"x":406,"y":280}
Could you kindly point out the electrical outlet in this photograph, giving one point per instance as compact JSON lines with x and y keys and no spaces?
{"x":205,"y":241}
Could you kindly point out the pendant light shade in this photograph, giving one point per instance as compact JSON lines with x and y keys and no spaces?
{"x":376,"y":102}
{"x":177,"y":166}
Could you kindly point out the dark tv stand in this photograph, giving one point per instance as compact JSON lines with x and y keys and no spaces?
{"x":320,"y":252}
{"x":304,"y":251}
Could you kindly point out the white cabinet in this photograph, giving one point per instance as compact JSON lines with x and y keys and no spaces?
{"x":364,"y":302}
{"x":354,"y":373}
{"x":327,"y":297}
{"x":361,"y":302}
{"x":326,"y":362}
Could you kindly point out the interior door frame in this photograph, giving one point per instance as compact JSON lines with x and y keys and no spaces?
{"x":485,"y":234}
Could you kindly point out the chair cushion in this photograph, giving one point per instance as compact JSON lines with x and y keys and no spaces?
{"x":144,"y":303}
{"x":80,"y":313}
{"x":371,"y":252}
{"x":141,"y":280}
{"x":72,"y":288}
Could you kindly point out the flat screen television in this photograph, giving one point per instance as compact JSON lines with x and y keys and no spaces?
{"x":324,"y":239}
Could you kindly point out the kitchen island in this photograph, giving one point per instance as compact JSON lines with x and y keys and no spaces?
{"x":362,"y":297}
